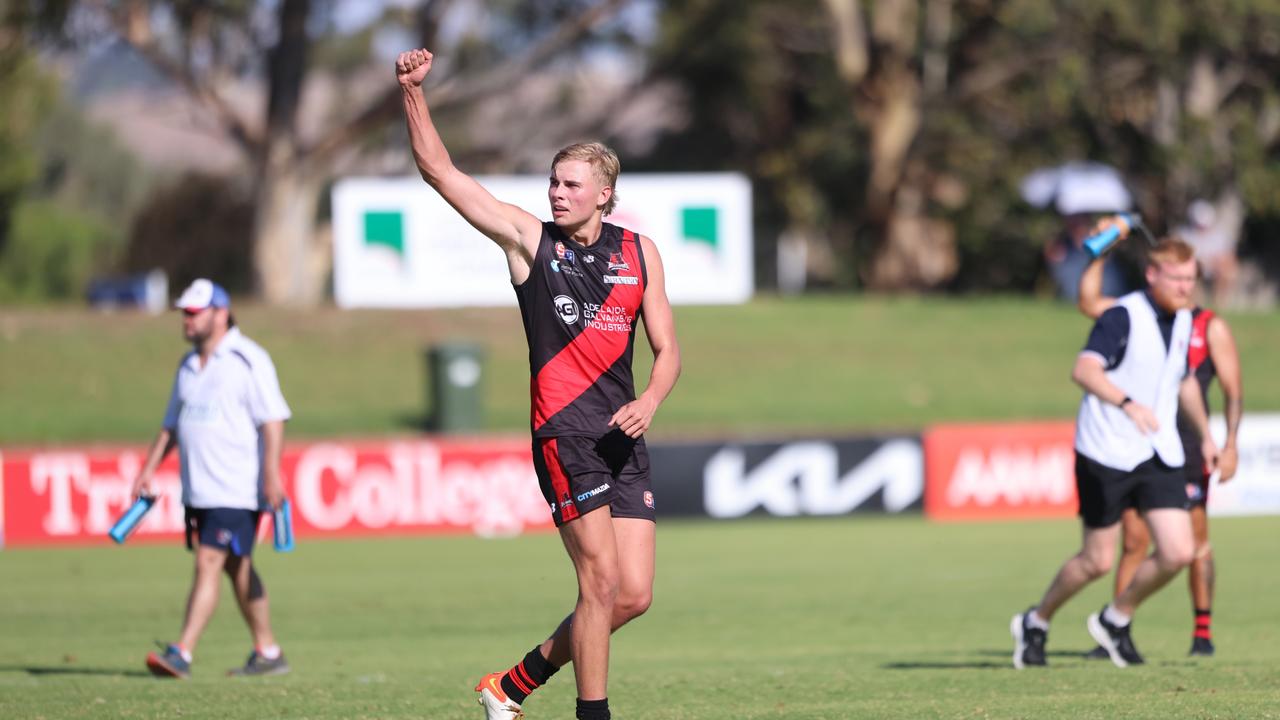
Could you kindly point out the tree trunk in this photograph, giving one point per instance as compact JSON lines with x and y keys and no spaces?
{"x":289,"y":259}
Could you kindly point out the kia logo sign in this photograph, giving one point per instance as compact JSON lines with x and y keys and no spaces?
{"x":805,"y":478}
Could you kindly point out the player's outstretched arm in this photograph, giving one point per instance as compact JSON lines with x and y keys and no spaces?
{"x":514,"y":230}
{"x":1226,"y":362}
{"x":1090,"y":300}
{"x":634,"y":418}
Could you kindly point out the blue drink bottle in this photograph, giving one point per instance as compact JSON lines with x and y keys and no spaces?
{"x":282,"y":527}
{"x":1108,"y":232}
{"x":131,"y":518}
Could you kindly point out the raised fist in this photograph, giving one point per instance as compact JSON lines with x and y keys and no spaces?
{"x":412,"y":66}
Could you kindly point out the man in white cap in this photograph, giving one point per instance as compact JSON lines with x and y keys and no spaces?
{"x":226,"y":415}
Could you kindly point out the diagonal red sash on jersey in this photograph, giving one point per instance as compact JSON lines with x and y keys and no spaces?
{"x":580,"y":363}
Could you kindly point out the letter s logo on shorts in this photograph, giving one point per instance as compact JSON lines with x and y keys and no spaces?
{"x":567,"y":309}
{"x":648,"y":499}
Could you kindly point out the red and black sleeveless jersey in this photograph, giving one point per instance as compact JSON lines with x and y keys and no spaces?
{"x":580,"y":307}
{"x":1199,"y":361}
{"x":1200,"y":364}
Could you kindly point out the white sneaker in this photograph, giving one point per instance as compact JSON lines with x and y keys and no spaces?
{"x":497,"y":706}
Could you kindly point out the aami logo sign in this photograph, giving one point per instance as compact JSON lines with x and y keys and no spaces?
{"x":814,"y":478}
{"x":980,"y":472}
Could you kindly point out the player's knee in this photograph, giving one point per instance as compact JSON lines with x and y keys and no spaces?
{"x":631,"y":605}
{"x":1096,"y":565}
{"x":1175,"y":557}
{"x":1204,"y":551}
{"x":599,"y":588}
{"x":1136,"y":545}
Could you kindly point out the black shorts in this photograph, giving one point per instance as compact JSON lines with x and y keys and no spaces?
{"x":1105,"y":492}
{"x":579,"y":474}
{"x":230,"y":529}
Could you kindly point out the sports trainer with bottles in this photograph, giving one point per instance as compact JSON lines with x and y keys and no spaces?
{"x":226,"y":416}
{"x":583,"y":285}
{"x":1212,"y":353}
{"x":1128,"y":454}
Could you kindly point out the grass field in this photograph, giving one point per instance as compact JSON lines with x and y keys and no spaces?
{"x":817,"y":619}
{"x":776,"y":366}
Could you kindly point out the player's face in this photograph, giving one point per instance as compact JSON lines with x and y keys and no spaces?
{"x":1172,"y":284}
{"x":575,"y":193}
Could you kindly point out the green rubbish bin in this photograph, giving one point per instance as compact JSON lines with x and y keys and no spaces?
{"x":455,"y":372}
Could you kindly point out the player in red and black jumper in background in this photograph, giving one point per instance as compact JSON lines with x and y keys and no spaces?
{"x":583,"y":285}
{"x":1212,"y":353}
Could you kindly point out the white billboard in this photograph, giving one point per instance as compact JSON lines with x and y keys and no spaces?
{"x":397,"y":243}
{"x":1255,"y":490}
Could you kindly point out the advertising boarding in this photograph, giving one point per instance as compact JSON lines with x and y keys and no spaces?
{"x":398,"y":244}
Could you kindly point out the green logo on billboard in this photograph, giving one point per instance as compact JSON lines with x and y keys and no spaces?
{"x":701,"y":224}
{"x":385,"y":229}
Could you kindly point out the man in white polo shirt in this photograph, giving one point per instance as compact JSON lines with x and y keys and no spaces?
{"x":1134,"y":374}
{"x":226,"y":415}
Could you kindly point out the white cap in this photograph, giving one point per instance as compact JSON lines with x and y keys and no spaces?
{"x":201,"y":294}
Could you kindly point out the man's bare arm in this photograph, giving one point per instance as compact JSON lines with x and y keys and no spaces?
{"x":1191,"y":405}
{"x":635,"y":417}
{"x":160,"y":448}
{"x":1091,"y":301}
{"x":1091,"y":375}
{"x":1226,"y":362}
{"x":513,"y":229}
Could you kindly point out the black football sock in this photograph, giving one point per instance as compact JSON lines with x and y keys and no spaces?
{"x":527,"y":675}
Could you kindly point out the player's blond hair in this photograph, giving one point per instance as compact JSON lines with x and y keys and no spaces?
{"x":604,"y":163}
{"x":1171,"y":250}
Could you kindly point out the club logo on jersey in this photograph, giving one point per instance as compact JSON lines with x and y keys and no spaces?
{"x":565,"y":502}
{"x":567,"y":309}
{"x":563,"y":253}
{"x":648,"y":499}
{"x":616,"y":262}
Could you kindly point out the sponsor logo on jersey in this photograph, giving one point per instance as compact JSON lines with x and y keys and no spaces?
{"x":566,"y":269}
{"x":607,"y":318}
{"x":567,"y":309}
{"x":593,"y":492}
{"x":589,"y":258}
{"x":621,"y":280}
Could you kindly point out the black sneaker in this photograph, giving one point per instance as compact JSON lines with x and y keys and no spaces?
{"x":1097,"y":653}
{"x":1114,"y":639}
{"x":1028,"y":642}
{"x":1202,"y":646}
{"x":258,"y":665}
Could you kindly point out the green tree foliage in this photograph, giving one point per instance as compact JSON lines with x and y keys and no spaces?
{"x":67,"y":190}
{"x":1181,"y":96}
